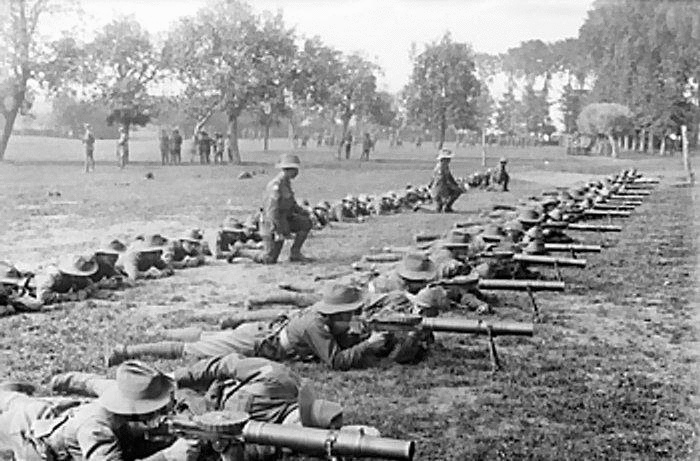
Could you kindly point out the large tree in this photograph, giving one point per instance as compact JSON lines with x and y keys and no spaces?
{"x":443,"y":88}
{"x":605,"y":119}
{"x":22,"y":57}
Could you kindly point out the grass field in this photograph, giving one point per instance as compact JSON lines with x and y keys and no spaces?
{"x":610,"y":374}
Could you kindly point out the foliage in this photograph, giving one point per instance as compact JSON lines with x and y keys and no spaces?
{"x":443,"y":88}
{"x":571,"y":102}
{"x":508,"y":114}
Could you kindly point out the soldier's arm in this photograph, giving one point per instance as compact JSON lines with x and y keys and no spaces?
{"x":319,"y":338}
{"x":272,"y":211}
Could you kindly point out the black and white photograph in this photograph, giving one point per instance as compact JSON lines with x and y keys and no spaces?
{"x":445,"y":230}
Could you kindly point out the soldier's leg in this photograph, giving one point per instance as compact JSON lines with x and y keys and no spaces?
{"x":439,"y":203}
{"x":268,"y":255}
{"x":161,"y":349}
{"x":18,"y":412}
{"x":301,"y":225}
{"x":506,"y":179}
{"x":451,"y":199}
{"x":75,"y":382}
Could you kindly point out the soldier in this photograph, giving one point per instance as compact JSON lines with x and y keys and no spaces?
{"x":176,"y":147}
{"x":281,"y":218}
{"x":14,"y":290}
{"x":348,"y":145}
{"x":108,"y":275}
{"x":185,"y":251}
{"x":143,"y":259}
{"x":110,"y":428}
{"x":204,"y":145}
{"x":501,"y":176}
{"x":122,"y":148}
{"x":231,"y":231}
{"x":319,"y":332}
{"x":218,"y":148}
{"x":367,"y":145}
{"x":69,"y":280}
{"x":89,"y":141}
{"x":164,"y":147}
{"x":413,"y":273}
{"x":445,"y":190}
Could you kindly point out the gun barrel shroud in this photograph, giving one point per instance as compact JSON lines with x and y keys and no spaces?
{"x":521,"y":285}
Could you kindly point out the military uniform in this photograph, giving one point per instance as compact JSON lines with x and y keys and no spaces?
{"x":89,"y":141}
{"x":51,"y":285}
{"x":143,"y":259}
{"x":175,"y":256}
{"x":444,"y":188}
{"x":281,"y":217}
{"x":176,"y":147}
{"x":164,"y":147}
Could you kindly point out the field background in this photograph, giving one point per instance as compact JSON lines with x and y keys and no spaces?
{"x":610,"y":374}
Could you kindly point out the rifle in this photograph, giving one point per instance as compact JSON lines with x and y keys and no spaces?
{"x":594,"y":228}
{"x":227,"y":433}
{"x":626,"y":191}
{"x":572,"y":248}
{"x":614,"y":206}
{"x":452,"y":325}
{"x":608,"y":213}
{"x":626,"y":196}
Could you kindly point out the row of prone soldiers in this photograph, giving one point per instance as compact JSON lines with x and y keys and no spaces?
{"x":239,"y":367}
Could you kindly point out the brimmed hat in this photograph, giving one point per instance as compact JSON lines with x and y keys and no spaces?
{"x":78,"y":265}
{"x":289,"y":161}
{"x":444,"y":153}
{"x":10,"y":274}
{"x":555,"y":215}
{"x":529,"y":216}
{"x":456,"y":239}
{"x":315,"y":412}
{"x":195,"y":236}
{"x":503,"y":160}
{"x":138,"y":389}
{"x":112,"y":248}
{"x":417,"y":266}
{"x":492,"y":233}
{"x":565,"y":195}
{"x":535,"y":233}
{"x":431,"y":300}
{"x":232,"y":224}
{"x":339,"y":298}
{"x":150,"y":243}
{"x":535,"y":247}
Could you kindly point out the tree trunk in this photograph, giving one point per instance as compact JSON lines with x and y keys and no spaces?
{"x":443,"y":131}
{"x":7,"y":130}
{"x":127,"y":153}
{"x":483,"y":147}
{"x":642,"y":140}
{"x":233,"y":138}
{"x":266,"y":137}
{"x":626,"y":142}
{"x":341,"y":143}
{"x":650,"y":144}
{"x":686,"y":159}
{"x":291,"y":129}
{"x":613,"y":146}
{"x":634,"y":142}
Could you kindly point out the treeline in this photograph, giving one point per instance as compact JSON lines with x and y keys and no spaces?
{"x":641,"y":55}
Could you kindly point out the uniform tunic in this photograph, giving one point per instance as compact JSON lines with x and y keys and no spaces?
{"x":281,"y":213}
{"x":443,"y":184}
{"x":51,"y":282}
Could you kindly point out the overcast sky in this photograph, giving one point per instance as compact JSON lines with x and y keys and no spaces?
{"x":384,"y":29}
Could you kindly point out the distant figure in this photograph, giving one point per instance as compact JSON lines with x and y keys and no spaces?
{"x":175,"y":147}
{"x":304,"y":141}
{"x":227,"y":148}
{"x":164,"y":147}
{"x":367,"y":145}
{"x":419,"y":142}
{"x":501,"y":176}
{"x":443,"y":187}
{"x":218,"y":148}
{"x":319,"y":139}
{"x":348,"y":145}
{"x":122,"y":148}
{"x":204,"y":145}
{"x":89,"y":141}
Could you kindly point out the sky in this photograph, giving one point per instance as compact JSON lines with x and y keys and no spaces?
{"x":383,"y":30}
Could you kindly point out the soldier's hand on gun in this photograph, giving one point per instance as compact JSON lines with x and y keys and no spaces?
{"x":377,"y":340}
{"x":182,"y":450}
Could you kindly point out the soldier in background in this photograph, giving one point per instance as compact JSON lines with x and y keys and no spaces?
{"x":348,"y":145}
{"x":89,"y":141}
{"x":501,"y":176}
{"x":122,"y":148}
{"x":367,"y":144}
{"x":218,"y":148}
{"x":444,"y":188}
{"x":204,"y":145}
{"x":175,"y":147}
{"x":164,"y":147}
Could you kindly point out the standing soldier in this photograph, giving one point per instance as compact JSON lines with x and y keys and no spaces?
{"x":501,"y":176}
{"x":204,"y":147}
{"x":367,"y":145}
{"x":175,"y":147}
{"x":122,"y":148}
{"x":89,"y":141}
{"x":281,"y":218}
{"x":218,"y":148}
{"x":164,"y":147}
{"x":444,"y":188}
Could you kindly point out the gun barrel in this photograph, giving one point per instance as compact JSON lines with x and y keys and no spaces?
{"x":461,"y":325}
{"x":630,"y":191}
{"x":521,"y":285}
{"x":554,"y":225}
{"x":549,"y":260}
{"x":619,"y":214}
{"x":628,"y":196}
{"x":594,"y":227}
{"x":318,"y":442}
{"x":575,"y":247}
{"x":614,"y":206}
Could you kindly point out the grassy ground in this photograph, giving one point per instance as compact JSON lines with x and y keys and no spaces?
{"x":610,"y":374}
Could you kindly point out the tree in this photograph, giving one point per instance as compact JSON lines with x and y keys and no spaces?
{"x":21,"y":57}
{"x":571,"y":102}
{"x":605,"y":119}
{"x":443,"y":88}
{"x":214,"y":55}
{"x":508,"y":113}
{"x":353,"y":93}
{"x":116,"y":69}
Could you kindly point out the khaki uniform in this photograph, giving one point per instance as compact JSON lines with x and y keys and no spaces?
{"x":40,"y":429}
{"x":444,"y":188}
{"x":281,"y":216}
{"x":50,"y":284}
{"x":134,"y":263}
{"x":175,"y":256}
{"x":89,"y":141}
